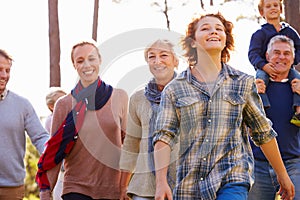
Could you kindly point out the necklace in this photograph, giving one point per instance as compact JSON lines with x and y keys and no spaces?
{"x":201,"y":77}
{"x":208,"y":83}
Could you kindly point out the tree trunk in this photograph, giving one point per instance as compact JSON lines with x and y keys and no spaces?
{"x":166,"y":14}
{"x":95,"y":20}
{"x":202,"y":4}
{"x":54,"y":43}
{"x":292,"y":13}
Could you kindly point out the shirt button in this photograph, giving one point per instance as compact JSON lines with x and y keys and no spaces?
{"x":209,"y":121}
{"x":204,"y":159}
{"x":206,"y":140}
{"x":201,"y":179}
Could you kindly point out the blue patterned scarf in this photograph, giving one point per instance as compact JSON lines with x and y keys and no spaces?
{"x":154,"y":96}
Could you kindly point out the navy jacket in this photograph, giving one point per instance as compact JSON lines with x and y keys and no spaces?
{"x":260,"y":39}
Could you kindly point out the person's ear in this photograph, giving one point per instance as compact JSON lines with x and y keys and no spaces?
{"x":51,"y":107}
{"x":176,"y":61}
{"x":281,"y":7}
{"x":267,"y":56}
{"x":193,"y":44}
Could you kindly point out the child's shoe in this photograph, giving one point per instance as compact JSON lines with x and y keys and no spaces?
{"x":296,"y":119}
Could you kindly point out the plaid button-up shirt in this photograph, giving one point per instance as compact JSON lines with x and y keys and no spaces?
{"x":209,"y":125}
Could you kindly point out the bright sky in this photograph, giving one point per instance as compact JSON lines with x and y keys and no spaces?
{"x":123,"y":31}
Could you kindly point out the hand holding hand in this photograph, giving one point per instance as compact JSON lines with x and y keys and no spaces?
{"x":45,"y":195}
{"x":123,"y":195}
{"x":163,"y":192}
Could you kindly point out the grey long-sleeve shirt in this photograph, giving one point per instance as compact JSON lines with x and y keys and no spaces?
{"x":17,"y":117}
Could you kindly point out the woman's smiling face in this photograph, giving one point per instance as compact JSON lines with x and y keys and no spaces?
{"x":210,"y":34}
{"x":87,"y":63}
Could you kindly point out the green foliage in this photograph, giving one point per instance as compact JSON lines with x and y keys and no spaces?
{"x":31,"y":197}
{"x":31,"y":160}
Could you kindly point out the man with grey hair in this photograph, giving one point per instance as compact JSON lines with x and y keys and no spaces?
{"x":280,"y":91}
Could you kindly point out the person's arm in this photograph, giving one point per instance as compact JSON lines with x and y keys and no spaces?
{"x":128,"y":159}
{"x":256,"y":54}
{"x":125,"y":178}
{"x":34,"y":128}
{"x":123,"y":97}
{"x":45,"y":195}
{"x":263,"y":135}
{"x":52,"y":175}
{"x":162,"y":153}
{"x":271,"y":151}
{"x":164,"y":140}
{"x":60,"y":112}
{"x":296,"y":39}
{"x":125,"y":175}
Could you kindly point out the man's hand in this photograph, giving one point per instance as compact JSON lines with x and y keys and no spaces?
{"x":296,"y":85}
{"x":260,"y":85}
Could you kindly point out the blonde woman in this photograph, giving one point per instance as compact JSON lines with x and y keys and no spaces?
{"x":137,"y":151}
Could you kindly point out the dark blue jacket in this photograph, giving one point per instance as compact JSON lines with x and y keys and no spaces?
{"x":260,"y":39}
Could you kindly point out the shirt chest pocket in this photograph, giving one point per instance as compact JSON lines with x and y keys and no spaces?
{"x":234,"y":99}
{"x":232,"y":106}
{"x":189,"y":108}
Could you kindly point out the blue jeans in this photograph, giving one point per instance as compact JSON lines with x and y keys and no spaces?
{"x":233,"y":191}
{"x":266,"y":184}
{"x":265,"y":77}
{"x":135,"y":197}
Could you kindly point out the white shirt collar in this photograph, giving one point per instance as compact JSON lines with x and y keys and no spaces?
{"x":3,"y":95}
{"x":283,"y":80}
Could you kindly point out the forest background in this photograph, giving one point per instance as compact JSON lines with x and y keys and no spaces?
{"x":28,"y":26}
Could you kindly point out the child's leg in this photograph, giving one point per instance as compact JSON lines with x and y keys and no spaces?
{"x":296,"y":98}
{"x":260,"y":74}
